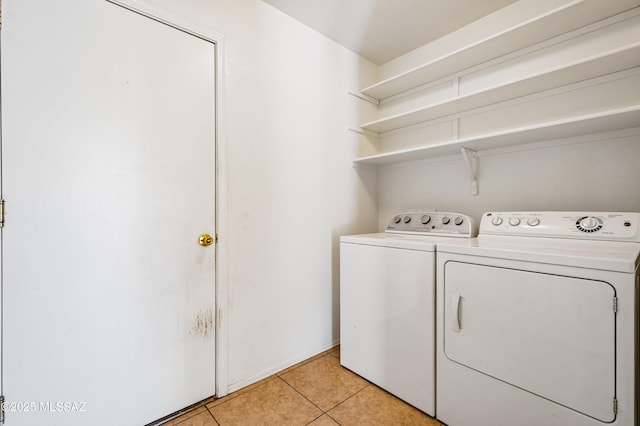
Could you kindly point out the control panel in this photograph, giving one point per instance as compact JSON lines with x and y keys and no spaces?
{"x":434,"y":223}
{"x":612,"y":226}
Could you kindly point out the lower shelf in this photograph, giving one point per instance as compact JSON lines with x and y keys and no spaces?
{"x":619,"y":119}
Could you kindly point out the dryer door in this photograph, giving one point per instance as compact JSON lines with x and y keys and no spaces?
{"x":550,"y":335}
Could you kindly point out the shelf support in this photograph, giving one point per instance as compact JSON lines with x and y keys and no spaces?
{"x":455,"y":128}
{"x":365,"y":132}
{"x":456,"y":86}
{"x":364,"y":97}
{"x":471,"y":160}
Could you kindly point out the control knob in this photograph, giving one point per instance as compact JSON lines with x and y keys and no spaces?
{"x":397,"y":219}
{"x":407,"y":219}
{"x":496,"y":221}
{"x":446,"y":220}
{"x":589,"y":222}
{"x":458,"y":221}
{"x":514,"y":221}
{"x":425,"y":219}
{"x":533,"y":221}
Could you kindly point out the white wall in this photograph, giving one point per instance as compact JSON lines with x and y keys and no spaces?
{"x":599,"y":175}
{"x":593,"y":172}
{"x":292,"y":190}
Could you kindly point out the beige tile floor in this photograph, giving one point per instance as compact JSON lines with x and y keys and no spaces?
{"x":315,"y":392}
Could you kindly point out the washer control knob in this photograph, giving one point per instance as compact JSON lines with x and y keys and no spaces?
{"x":458,"y":221}
{"x":446,"y":220}
{"x":533,"y":221}
{"x":397,"y":219}
{"x":514,"y":221}
{"x":589,"y":222}
{"x":407,"y":219}
{"x":425,"y":219}
{"x":496,"y":221}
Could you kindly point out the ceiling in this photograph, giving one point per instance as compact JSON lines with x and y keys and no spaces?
{"x":381,"y":30}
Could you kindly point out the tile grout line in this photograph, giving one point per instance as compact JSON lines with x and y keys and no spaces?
{"x":192,"y":410}
{"x":281,"y":376}
{"x":305,"y":362}
{"x":242,"y":391}
{"x":212,"y":416}
{"x":342,"y":402}
{"x":329,"y":415}
{"x":265,"y":381}
{"x":323,"y":412}
{"x":275,"y":376}
{"x":314,"y":404}
{"x":304,"y":396}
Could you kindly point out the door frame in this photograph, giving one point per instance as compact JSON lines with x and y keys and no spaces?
{"x":179,"y":22}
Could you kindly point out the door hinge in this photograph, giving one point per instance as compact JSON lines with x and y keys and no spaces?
{"x":615,"y":304}
{"x":2,"y":213}
{"x":1,"y":409}
{"x":615,"y":407}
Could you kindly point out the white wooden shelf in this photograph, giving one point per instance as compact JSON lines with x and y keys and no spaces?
{"x":568,"y":17}
{"x":604,"y":63}
{"x":619,"y":119}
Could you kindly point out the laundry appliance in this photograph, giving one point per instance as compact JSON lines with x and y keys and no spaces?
{"x":387,"y":302}
{"x":538,"y":321}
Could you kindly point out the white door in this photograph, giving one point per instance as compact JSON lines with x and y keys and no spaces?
{"x":108,"y":157}
{"x":551,"y":335}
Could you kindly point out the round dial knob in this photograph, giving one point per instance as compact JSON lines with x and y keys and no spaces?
{"x":458,"y":221}
{"x":514,"y":221}
{"x":407,"y":219}
{"x":425,"y":219}
{"x":446,"y":220}
{"x":533,"y":221}
{"x":397,"y":219}
{"x":496,"y":221}
{"x":589,"y":222}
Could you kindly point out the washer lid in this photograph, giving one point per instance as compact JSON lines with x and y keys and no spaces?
{"x":603,"y":255}
{"x":403,"y":241}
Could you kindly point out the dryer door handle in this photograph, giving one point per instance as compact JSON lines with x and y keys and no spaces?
{"x":455,"y":311}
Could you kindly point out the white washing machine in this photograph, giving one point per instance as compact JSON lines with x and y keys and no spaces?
{"x":538,"y":321}
{"x":387,"y":302}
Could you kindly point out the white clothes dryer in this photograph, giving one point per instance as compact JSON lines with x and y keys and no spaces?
{"x":538,"y":321}
{"x":387,"y":302}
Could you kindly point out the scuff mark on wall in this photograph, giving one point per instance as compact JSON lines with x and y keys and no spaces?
{"x":202,"y":323}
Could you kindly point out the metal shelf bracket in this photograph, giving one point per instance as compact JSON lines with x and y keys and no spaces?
{"x":365,"y":132}
{"x":471,"y":160}
{"x":362,"y":96}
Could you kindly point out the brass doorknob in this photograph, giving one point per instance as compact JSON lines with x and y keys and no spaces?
{"x":206,"y":240}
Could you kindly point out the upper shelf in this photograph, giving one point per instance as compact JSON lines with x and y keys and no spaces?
{"x":604,"y":63}
{"x":558,"y":21}
{"x":619,"y":119}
